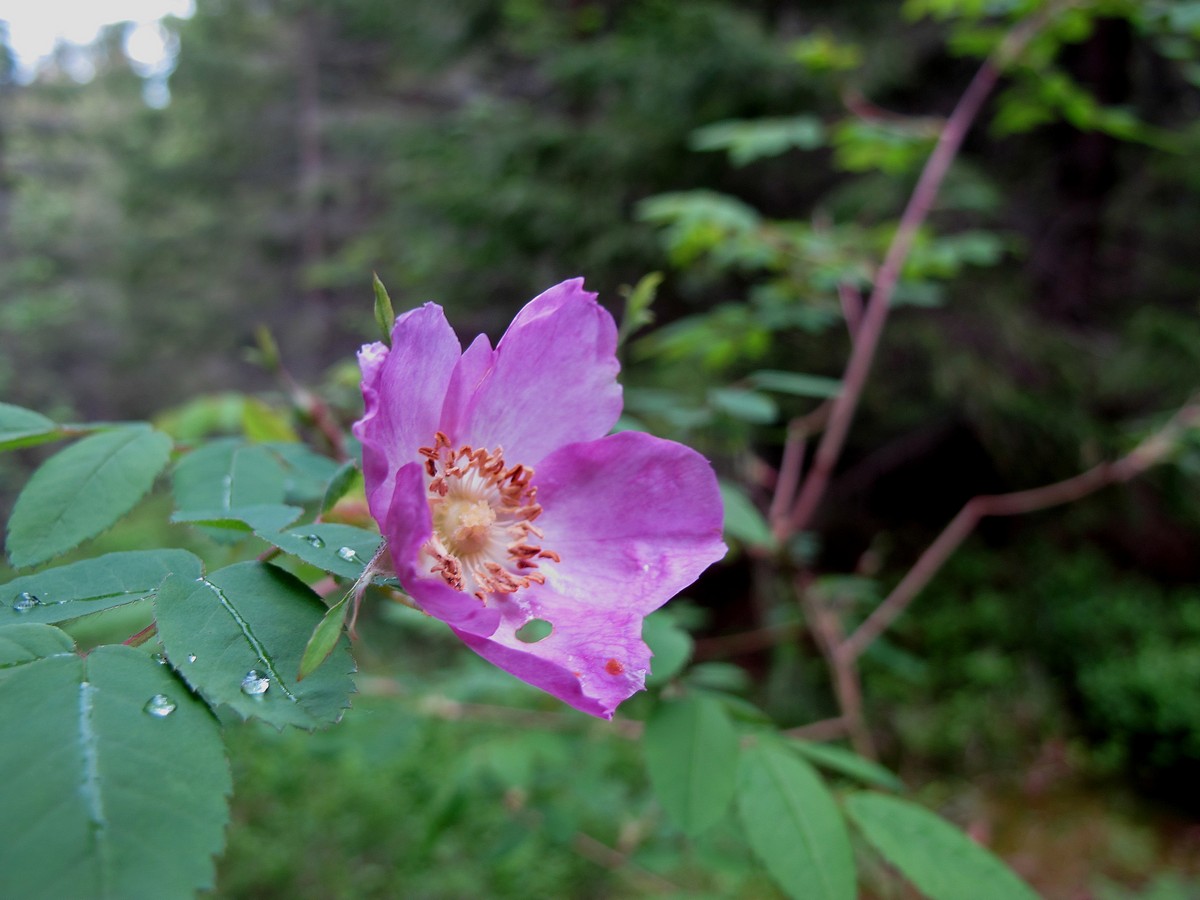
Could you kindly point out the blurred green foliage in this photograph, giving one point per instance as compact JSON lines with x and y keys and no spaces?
{"x":757,"y":155}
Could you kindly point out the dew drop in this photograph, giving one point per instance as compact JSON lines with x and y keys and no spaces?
{"x":160,"y":706}
{"x":255,"y":684}
{"x":191,"y":657}
{"x":159,"y":658}
{"x":349,"y":554}
{"x":25,"y":601}
{"x":314,"y":540}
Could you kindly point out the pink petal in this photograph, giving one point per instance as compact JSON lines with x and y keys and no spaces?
{"x":407,"y":528}
{"x":635,"y":519}
{"x":552,"y":379}
{"x":403,"y":389}
{"x":592,"y":662}
{"x":632,"y":516}
{"x":470,"y":372}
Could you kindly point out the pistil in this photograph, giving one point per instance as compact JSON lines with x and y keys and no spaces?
{"x":484,"y":540}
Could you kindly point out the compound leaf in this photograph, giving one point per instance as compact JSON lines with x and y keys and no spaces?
{"x":238,"y":637}
{"x":123,"y":785}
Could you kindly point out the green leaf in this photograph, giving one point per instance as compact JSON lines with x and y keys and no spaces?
{"x":796,"y":383}
{"x":638,"y":301}
{"x":268,"y":518}
{"x":747,"y":141}
{"x":307,"y":473}
{"x":820,"y":51}
{"x":239,"y":635}
{"x":941,"y":861}
{"x":225,"y":476}
{"x":848,"y":763}
{"x":339,"y":549}
{"x":670,"y":644}
{"x":24,"y":643}
{"x":203,"y":416}
{"x":749,"y":406}
{"x":341,"y":483}
{"x":721,"y":677}
{"x":262,"y":423}
{"x":385,"y":317}
{"x":92,"y":585}
{"x":84,"y":489}
{"x":324,"y":638}
{"x":793,"y":824}
{"x":743,"y":521}
{"x":112,"y":801}
{"x":20,"y":427}
{"x":691,"y":756}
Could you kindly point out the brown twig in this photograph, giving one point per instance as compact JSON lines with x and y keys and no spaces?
{"x":1149,"y":452}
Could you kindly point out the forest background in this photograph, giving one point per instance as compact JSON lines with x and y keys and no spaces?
{"x":1043,"y":691}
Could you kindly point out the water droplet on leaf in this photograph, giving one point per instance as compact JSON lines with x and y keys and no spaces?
{"x":348,"y":554}
{"x":191,"y":657}
{"x":314,"y":540}
{"x":160,"y":706}
{"x":159,"y":658}
{"x":25,"y":601}
{"x":255,"y":684}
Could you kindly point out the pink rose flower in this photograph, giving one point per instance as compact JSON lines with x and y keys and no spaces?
{"x":503,"y":499}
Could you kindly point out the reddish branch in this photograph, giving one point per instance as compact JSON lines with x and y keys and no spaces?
{"x":826,"y":627}
{"x":799,"y":430}
{"x":142,"y":636}
{"x":1148,"y":453}
{"x":870,"y":328}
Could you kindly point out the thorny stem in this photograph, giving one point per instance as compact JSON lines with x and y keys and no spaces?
{"x":1148,"y":453}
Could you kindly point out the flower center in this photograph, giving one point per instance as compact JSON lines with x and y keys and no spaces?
{"x":484,"y":540}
